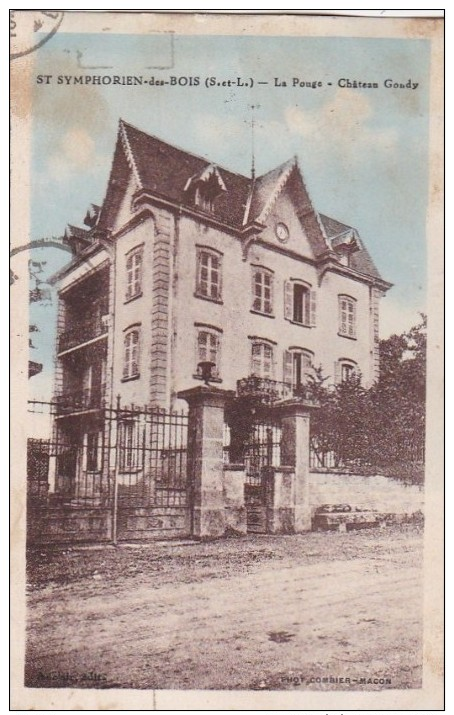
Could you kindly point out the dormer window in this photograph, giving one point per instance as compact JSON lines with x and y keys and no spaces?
{"x":203,"y":188}
{"x":345,"y":244}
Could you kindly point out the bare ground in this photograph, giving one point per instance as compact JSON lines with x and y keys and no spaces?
{"x":295,"y":612}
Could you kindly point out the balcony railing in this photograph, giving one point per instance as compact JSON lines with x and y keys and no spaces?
{"x":271,"y":391}
{"x":84,"y":331}
{"x":90,"y":398}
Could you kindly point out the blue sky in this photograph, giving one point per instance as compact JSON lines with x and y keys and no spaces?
{"x":363,"y":152}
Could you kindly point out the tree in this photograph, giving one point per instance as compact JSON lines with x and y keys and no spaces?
{"x":398,"y":398}
{"x":382,"y":427}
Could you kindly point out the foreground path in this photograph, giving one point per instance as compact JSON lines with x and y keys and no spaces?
{"x":317,"y":611}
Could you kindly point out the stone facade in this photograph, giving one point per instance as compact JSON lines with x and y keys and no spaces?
{"x":268,"y":223}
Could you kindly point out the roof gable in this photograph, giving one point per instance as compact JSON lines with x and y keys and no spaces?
{"x":360,"y":260}
{"x":142,"y":161}
{"x":166,"y":170}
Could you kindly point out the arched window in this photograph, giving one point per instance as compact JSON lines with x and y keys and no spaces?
{"x":131,"y":354}
{"x":262,"y":359}
{"x":134,"y":260}
{"x":347,"y":316}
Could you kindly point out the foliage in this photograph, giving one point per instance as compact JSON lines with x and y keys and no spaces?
{"x":240,"y":415}
{"x":385,"y":425}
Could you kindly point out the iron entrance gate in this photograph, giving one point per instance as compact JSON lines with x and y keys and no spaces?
{"x":152,"y":492}
{"x":262,"y":450}
{"x":110,"y":474}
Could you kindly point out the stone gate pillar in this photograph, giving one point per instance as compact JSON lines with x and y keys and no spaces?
{"x":295,"y":421}
{"x":205,"y":458}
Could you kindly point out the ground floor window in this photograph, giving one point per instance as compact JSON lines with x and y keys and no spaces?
{"x":94,"y":451}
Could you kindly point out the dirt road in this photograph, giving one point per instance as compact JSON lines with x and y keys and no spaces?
{"x":296,"y":612}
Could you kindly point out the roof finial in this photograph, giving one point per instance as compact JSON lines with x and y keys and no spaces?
{"x":252,"y":107}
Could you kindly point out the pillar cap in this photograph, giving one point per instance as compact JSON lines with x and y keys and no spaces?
{"x":206,"y":395}
{"x":296,"y":406}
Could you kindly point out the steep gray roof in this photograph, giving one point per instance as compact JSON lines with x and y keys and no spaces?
{"x":361,"y":260}
{"x":168,"y":171}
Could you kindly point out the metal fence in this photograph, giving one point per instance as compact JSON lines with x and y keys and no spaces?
{"x":262,"y":448}
{"x":120,"y":460}
{"x":152,"y":457}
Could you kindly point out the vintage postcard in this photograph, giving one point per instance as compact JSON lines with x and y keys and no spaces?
{"x":226,"y":280}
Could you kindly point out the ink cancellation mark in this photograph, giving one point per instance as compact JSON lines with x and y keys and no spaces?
{"x":30,"y":29}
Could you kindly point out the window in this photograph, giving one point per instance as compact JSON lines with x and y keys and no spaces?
{"x":208,"y":349}
{"x":299,"y":303}
{"x":262,"y":360}
{"x":131,"y":354}
{"x":262,"y":290}
{"x":347,"y":316}
{"x":203,"y":201}
{"x":93,"y":452}
{"x":297,"y":366}
{"x":345,"y":370}
{"x":129,"y":448}
{"x":208,"y":274}
{"x":134,"y":273}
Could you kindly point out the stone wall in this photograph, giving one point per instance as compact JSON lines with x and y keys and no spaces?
{"x":376,"y":492}
{"x":164,"y":522}
{"x":69,"y":525}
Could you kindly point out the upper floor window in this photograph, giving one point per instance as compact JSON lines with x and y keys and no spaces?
{"x":347,"y":316}
{"x":298,"y":365}
{"x":262,"y":290}
{"x":262,"y":359}
{"x":345,"y":370}
{"x":134,"y":262}
{"x":208,"y":349}
{"x":131,"y":354}
{"x":209,"y":275}
{"x":299,"y":303}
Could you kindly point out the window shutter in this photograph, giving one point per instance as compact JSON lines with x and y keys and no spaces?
{"x":313,"y":308}
{"x":253,"y":296}
{"x":337,"y":373}
{"x":288,"y":300}
{"x":219,"y":295}
{"x":287,"y":371}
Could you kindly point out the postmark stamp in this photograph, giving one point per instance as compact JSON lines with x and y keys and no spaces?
{"x":30,"y":29}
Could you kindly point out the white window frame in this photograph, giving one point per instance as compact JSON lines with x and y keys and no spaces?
{"x":347,"y":316}
{"x":262,"y":359}
{"x":213,"y":278}
{"x":134,"y":273}
{"x":211,"y":352}
{"x":130,"y":453}
{"x":131,"y":353}
{"x":262,"y":290}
